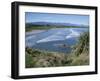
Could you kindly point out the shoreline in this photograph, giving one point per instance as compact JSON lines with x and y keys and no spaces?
{"x":34,"y":32}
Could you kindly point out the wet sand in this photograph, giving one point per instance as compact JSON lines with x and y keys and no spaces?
{"x":34,"y":32}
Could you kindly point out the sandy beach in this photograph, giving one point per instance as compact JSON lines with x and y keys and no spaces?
{"x":34,"y":32}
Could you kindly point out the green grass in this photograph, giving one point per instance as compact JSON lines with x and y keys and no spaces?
{"x":45,"y":59}
{"x":36,"y":28}
{"x":41,"y":58}
{"x":82,"y":45}
{"x":30,"y":28}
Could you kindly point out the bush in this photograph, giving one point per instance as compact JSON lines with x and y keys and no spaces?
{"x":82,"y":45}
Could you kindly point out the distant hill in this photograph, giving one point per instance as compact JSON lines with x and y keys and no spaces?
{"x":54,"y":24}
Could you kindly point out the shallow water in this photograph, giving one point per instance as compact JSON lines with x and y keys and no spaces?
{"x":58,"y":39}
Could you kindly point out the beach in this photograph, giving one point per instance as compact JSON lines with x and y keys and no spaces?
{"x":34,"y":32}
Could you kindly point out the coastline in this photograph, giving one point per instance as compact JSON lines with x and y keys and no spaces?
{"x":34,"y":32}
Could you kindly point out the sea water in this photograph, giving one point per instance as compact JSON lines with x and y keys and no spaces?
{"x":55,"y":40}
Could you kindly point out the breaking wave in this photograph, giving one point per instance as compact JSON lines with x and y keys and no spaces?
{"x":60,"y":36}
{"x":73,"y":34}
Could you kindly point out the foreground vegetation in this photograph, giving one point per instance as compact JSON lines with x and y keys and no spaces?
{"x":42,"y":58}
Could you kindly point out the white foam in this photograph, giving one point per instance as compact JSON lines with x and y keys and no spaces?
{"x":73,"y":34}
{"x":60,"y":36}
{"x":55,"y":37}
{"x":30,"y":37}
{"x":28,"y":41}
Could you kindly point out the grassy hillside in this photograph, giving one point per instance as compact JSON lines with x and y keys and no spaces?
{"x":42,"y":58}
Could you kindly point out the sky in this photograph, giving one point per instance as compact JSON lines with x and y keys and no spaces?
{"x":59,"y":18}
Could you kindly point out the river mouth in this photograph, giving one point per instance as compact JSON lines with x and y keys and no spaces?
{"x":55,"y":40}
